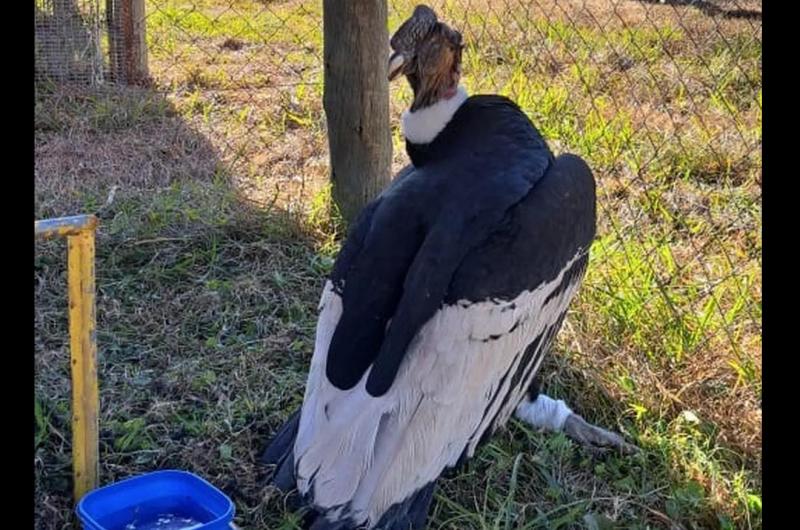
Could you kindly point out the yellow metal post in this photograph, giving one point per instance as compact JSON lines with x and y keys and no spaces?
{"x":80,"y":232}
{"x":83,"y":353}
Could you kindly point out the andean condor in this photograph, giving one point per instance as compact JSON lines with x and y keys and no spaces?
{"x":447,"y":293}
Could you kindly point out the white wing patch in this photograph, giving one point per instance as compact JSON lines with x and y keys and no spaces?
{"x":357,"y":455}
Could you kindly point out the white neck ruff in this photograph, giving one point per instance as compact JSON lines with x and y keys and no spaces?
{"x":422,"y":126}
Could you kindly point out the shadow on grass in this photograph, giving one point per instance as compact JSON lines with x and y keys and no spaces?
{"x":205,"y":301}
{"x":711,"y":8}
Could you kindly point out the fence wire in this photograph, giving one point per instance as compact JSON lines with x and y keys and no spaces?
{"x":662,"y":98}
{"x":68,"y":41}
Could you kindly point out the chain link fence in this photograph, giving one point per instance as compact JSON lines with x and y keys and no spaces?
{"x":663,"y":98}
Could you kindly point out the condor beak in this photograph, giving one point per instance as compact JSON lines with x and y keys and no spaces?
{"x":396,"y":62}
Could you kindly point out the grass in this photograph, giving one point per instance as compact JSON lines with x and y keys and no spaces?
{"x":217,"y":231}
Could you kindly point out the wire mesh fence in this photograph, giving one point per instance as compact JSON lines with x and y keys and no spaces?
{"x":89,"y":42}
{"x":662,"y":98}
{"x":68,"y":35}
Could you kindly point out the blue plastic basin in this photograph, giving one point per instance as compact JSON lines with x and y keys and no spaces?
{"x":168,"y":500}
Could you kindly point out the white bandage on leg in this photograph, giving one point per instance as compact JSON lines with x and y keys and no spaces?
{"x":544,"y":413}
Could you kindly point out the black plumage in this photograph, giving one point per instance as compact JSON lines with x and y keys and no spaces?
{"x":450,"y":228}
{"x":448,"y":291}
{"x":484,"y":212}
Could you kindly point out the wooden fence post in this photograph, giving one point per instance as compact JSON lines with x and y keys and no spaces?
{"x":127,"y":41}
{"x":356,"y":100}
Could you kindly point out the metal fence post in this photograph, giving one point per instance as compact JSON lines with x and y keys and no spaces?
{"x":80,"y":234}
